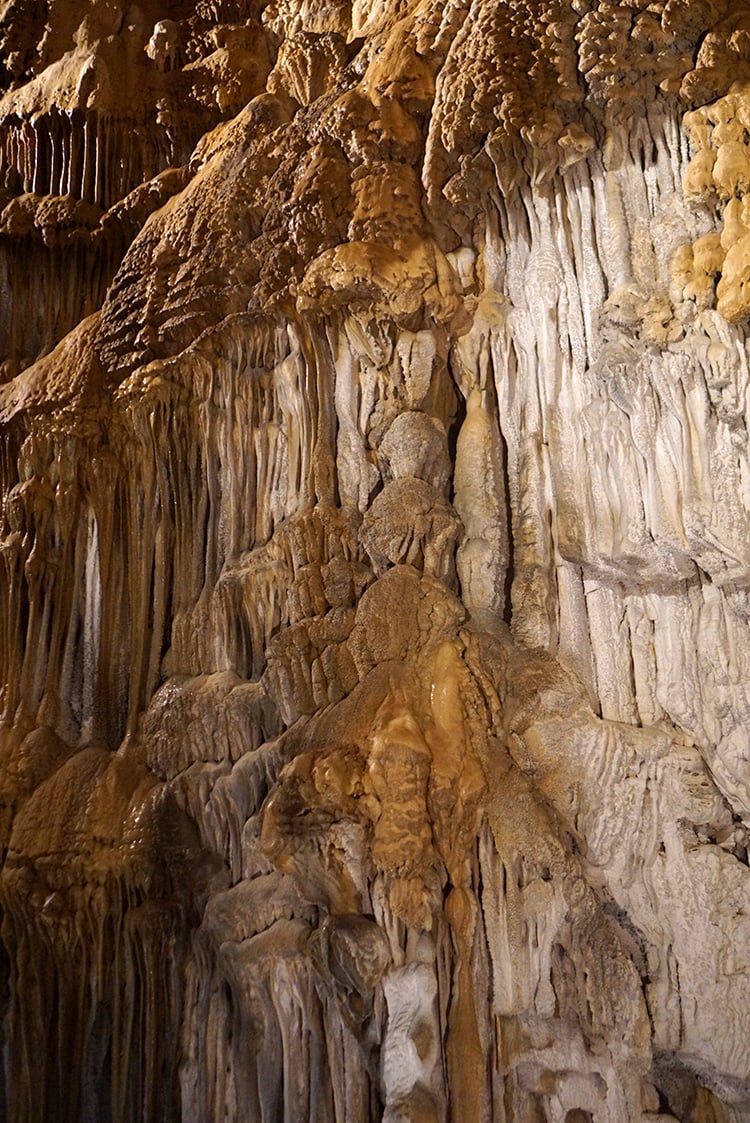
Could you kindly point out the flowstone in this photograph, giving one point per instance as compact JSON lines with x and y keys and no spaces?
{"x":374,"y":629}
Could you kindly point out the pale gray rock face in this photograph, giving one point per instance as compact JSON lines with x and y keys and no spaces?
{"x":375,"y":626}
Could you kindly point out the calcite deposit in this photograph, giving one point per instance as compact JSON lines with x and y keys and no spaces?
{"x":375,"y":555}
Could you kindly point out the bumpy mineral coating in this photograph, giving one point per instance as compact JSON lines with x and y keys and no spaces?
{"x":374,"y":630}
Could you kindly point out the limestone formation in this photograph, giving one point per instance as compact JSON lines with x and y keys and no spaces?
{"x":375,"y":553}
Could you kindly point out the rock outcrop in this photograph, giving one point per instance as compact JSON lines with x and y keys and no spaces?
{"x":375,"y":546}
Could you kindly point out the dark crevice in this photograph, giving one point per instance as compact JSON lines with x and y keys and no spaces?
{"x":510,"y":569}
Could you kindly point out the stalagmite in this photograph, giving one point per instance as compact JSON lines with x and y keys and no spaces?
{"x":374,"y":561}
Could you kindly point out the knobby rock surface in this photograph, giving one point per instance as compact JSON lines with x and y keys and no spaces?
{"x":375,"y":555}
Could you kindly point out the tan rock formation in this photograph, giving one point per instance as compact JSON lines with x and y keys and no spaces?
{"x":374,"y":629}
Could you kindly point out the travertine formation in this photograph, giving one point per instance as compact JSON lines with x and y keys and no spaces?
{"x":374,"y":629}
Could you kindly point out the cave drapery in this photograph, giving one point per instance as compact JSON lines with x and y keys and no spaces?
{"x":375,"y":555}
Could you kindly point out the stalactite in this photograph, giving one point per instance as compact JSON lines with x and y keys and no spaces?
{"x":87,"y":154}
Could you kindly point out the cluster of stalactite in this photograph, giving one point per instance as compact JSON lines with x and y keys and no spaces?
{"x":374,"y":628}
{"x":48,"y":288}
{"x":85,"y":154}
{"x":208,"y":593}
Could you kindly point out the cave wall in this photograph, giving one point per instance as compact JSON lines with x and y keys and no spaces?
{"x":374,"y":638}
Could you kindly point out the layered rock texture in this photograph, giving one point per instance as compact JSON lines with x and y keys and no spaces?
{"x":375,"y":554}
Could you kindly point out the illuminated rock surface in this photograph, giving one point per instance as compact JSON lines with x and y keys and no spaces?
{"x":376,"y":561}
